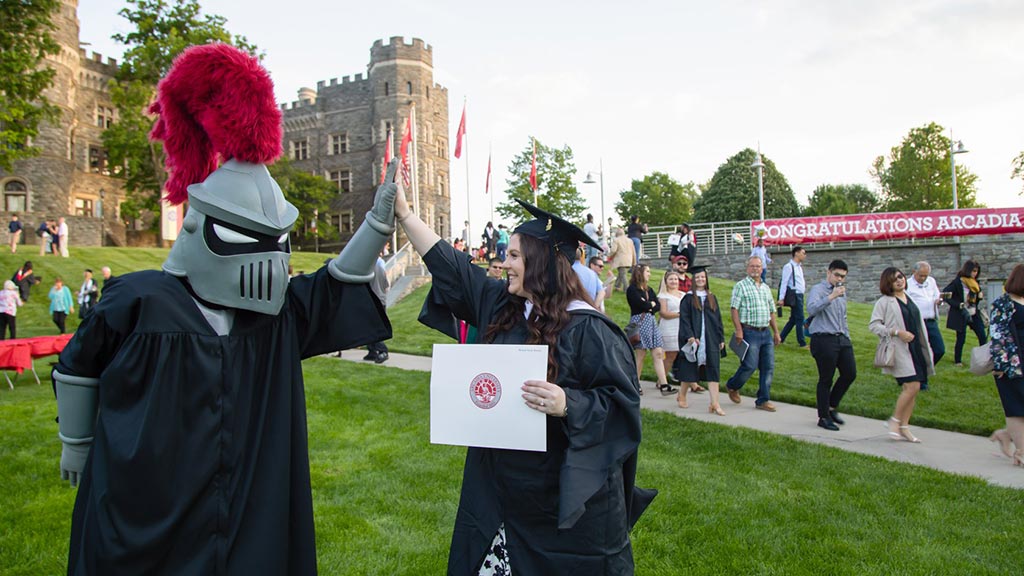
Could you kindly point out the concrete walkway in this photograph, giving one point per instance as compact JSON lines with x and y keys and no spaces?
{"x":947,"y":451}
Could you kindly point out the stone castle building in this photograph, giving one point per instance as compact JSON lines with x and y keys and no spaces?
{"x":71,"y":176}
{"x":339,"y":131}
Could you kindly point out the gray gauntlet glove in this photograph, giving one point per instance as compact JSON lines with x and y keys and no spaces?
{"x":355,"y":263}
{"x":77,"y":405}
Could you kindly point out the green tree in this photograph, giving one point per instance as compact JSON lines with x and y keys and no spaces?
{"x":835,"y":199}
{"x":1018,"y":168}
{"x":556,"y":191}
{"x":732,"y":192}
{"x":25,"y":40}
{"x":916,"y":175}
{"x":162,"y":30}
{"x":657,"y":199}
{"x":312,"y":195}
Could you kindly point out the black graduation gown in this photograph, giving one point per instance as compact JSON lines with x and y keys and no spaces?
{"x":690,"y":319}
{"x":568,"y":510}
{"x":200,"y":462}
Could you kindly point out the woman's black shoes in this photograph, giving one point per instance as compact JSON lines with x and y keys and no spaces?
{"x":667,"y":389}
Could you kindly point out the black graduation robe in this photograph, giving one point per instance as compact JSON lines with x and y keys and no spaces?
{"x":690,"y":321}
{"x":568,"y":510}
{"x":200,"y":462}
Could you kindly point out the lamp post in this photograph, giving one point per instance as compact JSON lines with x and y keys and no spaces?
{"x":590,"y":180}
{"x":955,"y":148}
{"x":760,"y":182}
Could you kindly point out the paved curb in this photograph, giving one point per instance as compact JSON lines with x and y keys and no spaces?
{"x":947,"y":451}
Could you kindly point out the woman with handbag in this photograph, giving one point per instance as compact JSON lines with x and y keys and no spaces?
{"x":903,"y":349}
{"x":700,"y":328}
{"x":1007,"y":334}
{"x":643,"y":305}
{"x":964,"y":308}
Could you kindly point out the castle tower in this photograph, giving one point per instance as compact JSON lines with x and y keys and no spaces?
{"x":70,"y":175}
{"x":339,"y":131}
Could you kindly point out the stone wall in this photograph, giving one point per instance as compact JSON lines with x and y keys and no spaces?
{"x":996,"y":254}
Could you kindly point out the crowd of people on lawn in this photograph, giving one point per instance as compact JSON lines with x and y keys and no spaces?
{"x":18,"y":289}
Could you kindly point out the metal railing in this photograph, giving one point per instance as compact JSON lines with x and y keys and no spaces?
{"x":719,"y":238}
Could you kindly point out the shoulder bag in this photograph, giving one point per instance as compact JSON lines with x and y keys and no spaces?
{"x":885,"y":354}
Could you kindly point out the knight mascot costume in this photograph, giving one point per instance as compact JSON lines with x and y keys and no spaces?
{"x":180,"y":398}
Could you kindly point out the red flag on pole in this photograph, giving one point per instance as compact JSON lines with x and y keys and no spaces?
{"x":533,"y":168}
{"x":388,"y":155}
{"x":404,"y":151}
{"x":487,"y":185}
{"x":460,"y":133}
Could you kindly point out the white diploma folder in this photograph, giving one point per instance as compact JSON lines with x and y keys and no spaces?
{"x":476,"y":396}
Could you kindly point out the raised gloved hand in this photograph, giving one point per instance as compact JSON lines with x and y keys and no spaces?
{"x":72,"y":461}
{"x":384,"y":199}
{"x":355,"y":263}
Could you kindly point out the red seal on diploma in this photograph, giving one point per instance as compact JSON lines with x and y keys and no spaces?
{"x":485,"y":391}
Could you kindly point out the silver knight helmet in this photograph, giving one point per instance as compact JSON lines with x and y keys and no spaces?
{"x":217,"y":103}
{"x":233,"y":248}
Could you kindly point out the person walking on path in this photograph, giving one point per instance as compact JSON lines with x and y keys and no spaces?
{"x":61,"y":304}
{"x":622,"y":258}
{"x":643,"y":305}
{"x":923,"y":290}
{"x":897,"y":323}
{"x":700,"y":328}
{"x":830,"y":343}
{"x":9,"y":303}
{"x":1007,"y":336}
{"x":14,"y":230}
{"x":965,"y":310}
{"x":793,"y":281}
{"x":753,"y":313}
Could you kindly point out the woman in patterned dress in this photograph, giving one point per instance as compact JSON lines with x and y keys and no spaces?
{"x":643,"y":305}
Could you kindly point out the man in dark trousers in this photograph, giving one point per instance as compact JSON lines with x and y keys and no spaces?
{"x":830,"y":343}
{"x":793,"y":283}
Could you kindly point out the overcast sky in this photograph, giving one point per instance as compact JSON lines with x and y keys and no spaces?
{"x":673,"y":86}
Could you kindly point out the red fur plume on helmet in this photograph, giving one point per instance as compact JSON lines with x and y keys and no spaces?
{"x":216,"y":103}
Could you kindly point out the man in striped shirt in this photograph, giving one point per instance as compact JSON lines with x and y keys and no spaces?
{"x":753,"y":313}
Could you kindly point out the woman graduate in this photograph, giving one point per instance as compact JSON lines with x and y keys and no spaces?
{"x":568,"y":510}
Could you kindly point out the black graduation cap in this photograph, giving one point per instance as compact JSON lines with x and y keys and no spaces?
{"x":694,"y":270}
{"x":563,"y":237}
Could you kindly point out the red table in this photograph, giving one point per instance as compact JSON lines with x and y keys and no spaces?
{"x":19,"y":353}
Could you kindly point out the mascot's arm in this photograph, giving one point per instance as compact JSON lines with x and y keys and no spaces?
{"x":356,"y":262}
{"x":77,"y":405}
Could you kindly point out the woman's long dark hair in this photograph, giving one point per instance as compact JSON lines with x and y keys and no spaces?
{"x":637,"y":278}
{"x":549,"y":315}
{"x":712,"y":301}
{"x":968,"y":267}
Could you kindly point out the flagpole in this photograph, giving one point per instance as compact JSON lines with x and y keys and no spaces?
{"x":415,"y":163}
{"x":469,"y":212}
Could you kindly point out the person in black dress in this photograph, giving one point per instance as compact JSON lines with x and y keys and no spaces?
{"x":568,"y":510}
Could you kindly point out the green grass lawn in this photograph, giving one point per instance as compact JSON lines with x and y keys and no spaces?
{"x":732,"y":501}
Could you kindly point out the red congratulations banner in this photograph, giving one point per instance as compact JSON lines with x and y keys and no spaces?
{"x":890,"y":226}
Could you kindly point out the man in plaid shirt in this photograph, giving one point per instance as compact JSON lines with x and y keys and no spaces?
{"x":753,"y":314}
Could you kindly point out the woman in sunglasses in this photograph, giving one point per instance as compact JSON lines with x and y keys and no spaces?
{"x":897,"y":319}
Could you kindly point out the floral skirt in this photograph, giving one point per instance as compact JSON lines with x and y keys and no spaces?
{"x":650,"y":336}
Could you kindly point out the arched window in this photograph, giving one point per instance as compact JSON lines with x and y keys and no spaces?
{"x":15,"y":196}
{"x":409,"y":87}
